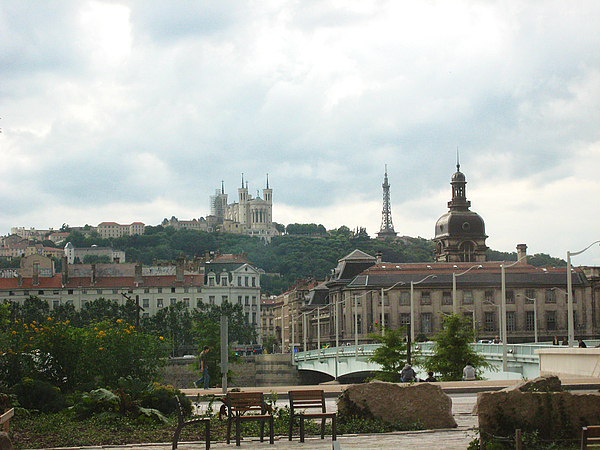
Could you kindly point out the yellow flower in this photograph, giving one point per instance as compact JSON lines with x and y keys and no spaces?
{"x":161,"y":338}
{"x":119,"y":321}
{"x":100,"y":348}
{"x":14,"y":332}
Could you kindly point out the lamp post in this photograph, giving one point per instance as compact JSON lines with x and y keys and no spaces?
{"x":570,"y":321}
{"x":412,"y":305}
{"x":503,"y":312}
{"x":382,"y":304}
{"x":454,"y":276}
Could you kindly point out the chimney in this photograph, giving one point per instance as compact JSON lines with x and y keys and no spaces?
{"x":522,"y":253}
{"x":36,"y":274}
{"x":179,"y":269}
{"x":65,"y":271}
{"x":378,"y":255}
{"x":93,"y":273}
{"x":138,"y":273}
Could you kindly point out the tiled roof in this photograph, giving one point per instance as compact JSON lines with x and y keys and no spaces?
{"x":55,"y":282}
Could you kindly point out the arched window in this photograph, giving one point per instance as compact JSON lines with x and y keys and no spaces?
{"x":467,"y":251}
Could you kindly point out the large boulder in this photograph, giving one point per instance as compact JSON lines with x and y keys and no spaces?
{"x":539,"y":406}
{"x":421,"y":404}
{"x":547,"y":383}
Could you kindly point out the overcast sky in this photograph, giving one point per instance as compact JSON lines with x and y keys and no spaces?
{"x":137,"y":110}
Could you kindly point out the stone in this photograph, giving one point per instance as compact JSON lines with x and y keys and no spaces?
{"x":554,"y":415}
{"x":5,"y":443}
{"x":547,"y":383}
{"x":424,"y":405}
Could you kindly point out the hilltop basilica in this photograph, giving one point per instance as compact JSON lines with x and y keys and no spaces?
{"x":252,"y":216}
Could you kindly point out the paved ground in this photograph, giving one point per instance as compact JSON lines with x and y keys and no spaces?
{"x":449,"y":439}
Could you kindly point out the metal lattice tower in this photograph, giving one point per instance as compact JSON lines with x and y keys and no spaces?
{"x":387,"y":227}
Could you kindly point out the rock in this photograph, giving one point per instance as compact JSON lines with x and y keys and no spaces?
{"x":5,"y":443}
{"x":421,"y":404}
{"x":554,"y":415}
{"x":547,"y":383}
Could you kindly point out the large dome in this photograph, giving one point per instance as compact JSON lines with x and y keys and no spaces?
{"x":460,"y":224}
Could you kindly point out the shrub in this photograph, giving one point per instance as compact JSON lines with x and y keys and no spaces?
{"x":39,"y":395}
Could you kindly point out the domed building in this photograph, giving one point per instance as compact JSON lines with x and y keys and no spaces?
{"x":460,"y":233}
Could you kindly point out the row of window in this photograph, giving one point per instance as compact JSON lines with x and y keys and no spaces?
{"x":490,"y":321}
{"x":467,"y":297}
{"x":248,"y":281}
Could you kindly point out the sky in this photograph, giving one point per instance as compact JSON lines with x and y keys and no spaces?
{"x":137,"y":111}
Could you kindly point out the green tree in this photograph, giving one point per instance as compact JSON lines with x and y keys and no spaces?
{"x":391,"y":355}
{"x":452,"y":350}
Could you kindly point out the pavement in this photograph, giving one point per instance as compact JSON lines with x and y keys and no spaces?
{"x":450,"y":439}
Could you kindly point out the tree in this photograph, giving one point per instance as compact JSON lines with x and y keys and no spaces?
{"x":391,"y":355}
{"x":452,"y":350}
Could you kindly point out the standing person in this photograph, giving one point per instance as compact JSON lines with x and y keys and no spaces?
{"x":203,"y":368}
{"x":469,"y":372}
{"x":408,"y":374}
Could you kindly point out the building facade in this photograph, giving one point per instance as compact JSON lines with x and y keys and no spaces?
{"x":114,"y":230}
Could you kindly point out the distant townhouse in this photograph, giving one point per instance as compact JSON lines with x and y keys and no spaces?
{"x":115,"y":230}
{"x":74,"y":254}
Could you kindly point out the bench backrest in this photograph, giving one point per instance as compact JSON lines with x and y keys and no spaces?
{"x":591,"y":435}
{"x":307,"y":399}
{"x":239,"y":403}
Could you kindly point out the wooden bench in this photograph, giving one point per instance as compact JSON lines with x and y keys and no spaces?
{"x":590,"y":437}
{"x":181,"y":422}
{"x":246,"y":407}
{"x":310,"y":399}
{"x":4,"y":418}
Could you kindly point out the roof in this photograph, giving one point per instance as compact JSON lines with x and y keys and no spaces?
{"x":489,"y":274}
{"x":55,"y":282}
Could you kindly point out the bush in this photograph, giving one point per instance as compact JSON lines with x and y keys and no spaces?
{"x":39,"y":395}
{"x":162,"y":398}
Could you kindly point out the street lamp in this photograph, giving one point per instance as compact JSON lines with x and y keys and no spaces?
{"x":454,"y":276}
{"x":503,"y":312}
{"x":412,"y":305}
{"x":382,"y":305}
{"x":535,"y":319}
{"x":571,"y":326}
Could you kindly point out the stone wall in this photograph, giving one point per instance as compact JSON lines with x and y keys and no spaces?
{"x":554,"y":415}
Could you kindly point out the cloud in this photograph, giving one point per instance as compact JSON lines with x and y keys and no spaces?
{"x":114,"y":108}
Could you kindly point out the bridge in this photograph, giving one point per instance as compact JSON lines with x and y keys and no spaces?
{"x":353,"y":360}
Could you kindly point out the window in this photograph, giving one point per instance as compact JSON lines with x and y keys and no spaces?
{"x":145,"y":315}
{"x":246,"y":300}
{"x":551,"y":320}
{"x":529,"y":295}
{"x":159,"y":290}
{"x":41,"y":292}
{"x":467,"y":297}
{"x":224,"y":299}
{"x":254,"y":299}
{"x":489,"y":321}
{"x":115,"y":291}
{"x":239,"y":283}
{"x":55,"y":304}
{"x":404,"y":298}
{"x":199,"y":289}
{"x":469,"y":316}
{"x":404,"y":319}
{"x":84,"y":291}
{"x":489,"y":296}
{"x":159,"y":303}
{"x":145,"y":303}
{"x":172,"y":290}
{"x":446,"y":298}
{"x":10,"y":293}
{"x":146,"y":290}
{"x":426,"y":319}
{"x":550,"y":296}
{"x":425,"y":298}
{"x":98,"y":291}
{"x":386,"y":299}
{"x":27,"y":292}
{"x":211,"y":299}
{"x":254,"y":318}
{"x":245,"y":281}
{"x":253,"y":281}
{"x":510,"y":296}
{"x":186,"y":290}
{"x":223,"y":279}
{"x":239,"y":299}
{"x":186,"y":302}
{"x":529,"y":320}
{"x":510,"y":321}
{"x":70,"y":292}
{"x":172,"y":301}
{"x":70,"y":302}
{"x":356,"y":300}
